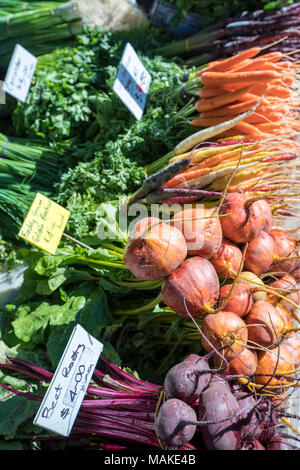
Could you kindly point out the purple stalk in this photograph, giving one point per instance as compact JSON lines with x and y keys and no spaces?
{"x":129,"y":404}
{"x":44,"y":374}
{"x":137,"y":423}
{"x":118,"y":435}
{"x":130,"y":377}
{"x":127,"y":414}
{"x":107,"y":393}
{"x":104,"y":422}
{"x":29,"y":373}
{"x":116,"y":384}
{"x":30,"y":396}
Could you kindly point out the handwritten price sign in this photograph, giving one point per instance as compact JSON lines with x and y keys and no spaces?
{"x":44,"y":224}
{"x":68,"y":386}
{"x":132,"y":82}
{"x":19,"y":74}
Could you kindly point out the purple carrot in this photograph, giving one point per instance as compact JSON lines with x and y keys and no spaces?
{"x":167,"y":193}
{"x":181,"y":200}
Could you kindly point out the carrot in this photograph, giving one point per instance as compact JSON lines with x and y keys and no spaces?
{"x":202,"y":153}
{"x":207,"y":122}
{"x":278,"y":91}
{"x":204,"y":134}
{"x":240,"y":176}
{"x":218,"y":159}
{"x":203,"y":177}
{"x":221,"y":100}
{"x":256,"y":118}
{"x":215,"y":79}
{"x":271,"y":127}
{"x":227,"y":64}
{"x":272,"y":56}
{"x":229,"y":110}
{"x":254,"y":66}
{"x":207,"y":92}
{"x":249,"y":129}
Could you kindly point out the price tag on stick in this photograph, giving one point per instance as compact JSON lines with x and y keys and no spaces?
{"x":132,"y":82}
{"x":68,"y":386}
{"x":19,"y":73}
{"x":44,"y":224}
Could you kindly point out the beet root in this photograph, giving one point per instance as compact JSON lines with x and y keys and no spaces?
{"x":243,"y":220}
{"x":170,"y":422}
{"x":193,"y":286}
{"x":185,"y":381}
{"x":218,"y":403}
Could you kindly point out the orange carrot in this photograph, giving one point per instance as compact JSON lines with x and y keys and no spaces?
{"x":271,"y":127}
{"x":272,"y":56}
{"x":279,"y":91}
{"x":227,"y":64}
{"x":249,"y":129}
{"x":207,"y":92}
{"x":230,"y":109}
{"x":257,"y":118}
{"x":182,"y":178}
{"x":221,"y":100}
{"x":215,"y":79}
{"x":254,"y":66}
{"x":208,"y":122}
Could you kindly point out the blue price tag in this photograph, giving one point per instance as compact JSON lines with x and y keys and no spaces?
{"x":132,"y":82}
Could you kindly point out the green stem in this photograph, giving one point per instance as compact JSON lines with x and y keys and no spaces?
{"x":137,"y":284}
{"x":144,"y":308}
{"x":102,"y":263}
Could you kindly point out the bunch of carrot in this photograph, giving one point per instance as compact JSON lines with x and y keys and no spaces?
{"x":234,"y":85}
{"x":248,"y":114}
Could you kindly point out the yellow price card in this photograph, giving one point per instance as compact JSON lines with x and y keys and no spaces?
{"x":44,"y":224}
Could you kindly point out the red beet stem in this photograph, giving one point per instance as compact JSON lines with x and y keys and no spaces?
{"x":128,"y":376}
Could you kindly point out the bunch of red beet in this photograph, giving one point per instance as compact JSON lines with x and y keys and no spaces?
{"x":204,"y":410}
{"x":195,"y":409}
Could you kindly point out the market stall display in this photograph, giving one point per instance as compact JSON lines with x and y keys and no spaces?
{"x":181,"y":250}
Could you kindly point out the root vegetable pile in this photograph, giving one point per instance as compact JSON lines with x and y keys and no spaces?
{"x":244,"y":297}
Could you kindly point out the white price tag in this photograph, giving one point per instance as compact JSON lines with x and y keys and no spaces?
{"x":19,"y":74}
{"x":132,"y":82}
{"x":70,"y":381}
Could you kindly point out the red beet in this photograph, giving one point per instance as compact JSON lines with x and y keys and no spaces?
{"x":185,"y":381}
{"x":218,"y":403}
{"x":170,"y":422}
